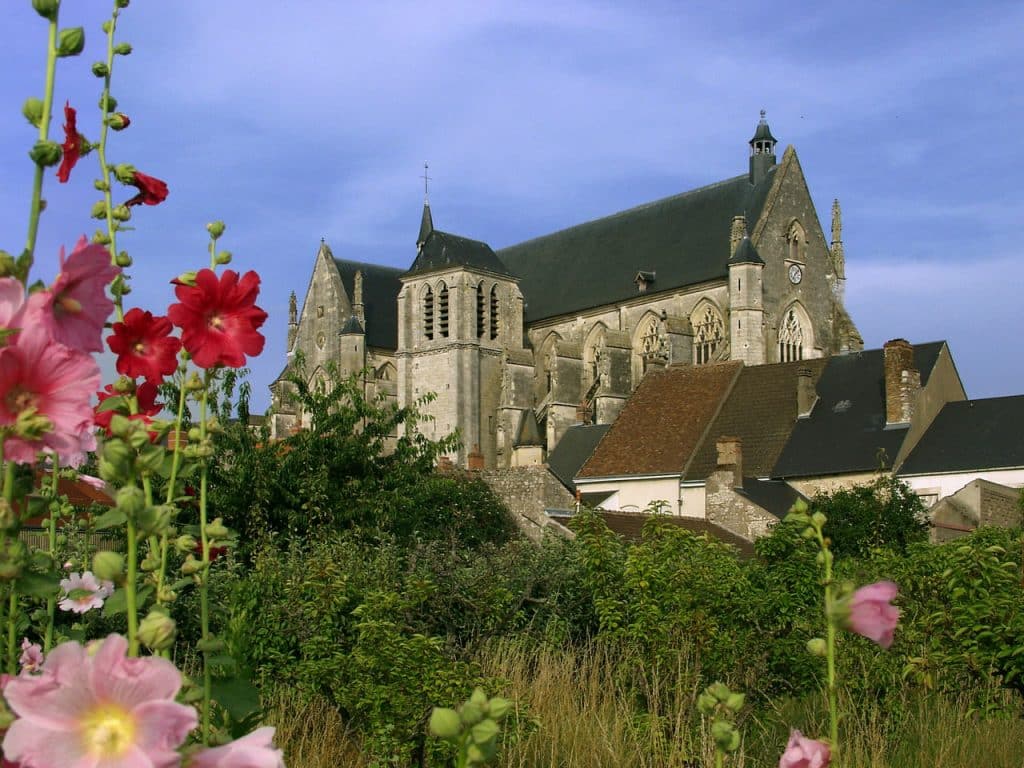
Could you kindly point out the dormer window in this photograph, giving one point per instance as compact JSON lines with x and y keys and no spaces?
{"x":643,"y":280}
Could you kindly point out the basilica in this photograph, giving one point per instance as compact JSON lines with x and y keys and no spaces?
{"x":516,"y":346}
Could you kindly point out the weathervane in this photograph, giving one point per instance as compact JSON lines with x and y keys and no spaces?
{"x":426,"y":182}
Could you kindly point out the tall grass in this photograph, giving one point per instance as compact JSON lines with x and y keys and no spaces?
{"x":598,"y":708}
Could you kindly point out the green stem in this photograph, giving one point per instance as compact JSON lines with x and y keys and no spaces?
{"x":112,"y":225}
{"x":131,"y":598}
{"x":12,"y":643}
{"x":204,"y":587}
{"x":44,"y":135}
{"x":51,"y":601}
{"x":719,"y":758}
{"x":830,"y":646}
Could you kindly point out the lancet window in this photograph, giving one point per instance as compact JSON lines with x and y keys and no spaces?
{"x":708,"y":334}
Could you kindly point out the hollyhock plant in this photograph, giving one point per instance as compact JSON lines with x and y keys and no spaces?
{"x":72,"y":146}
{"x":802,"y":752}
{"x":255,"y":750}
{"x":871,"y":613}
{"x":31,"y":656}
{"x":218,"y":318}
{"x":84,"y":592}
{"x":45,"y":388}
{"x":76,"y":307}
{"x":145,"y":397}
{"x":12,"y":302}
{"x":100,"y":710}
{"x":152,"y":191}
{"x":144,"y":346}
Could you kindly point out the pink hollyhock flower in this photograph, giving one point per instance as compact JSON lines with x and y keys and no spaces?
{"x":802,"y":752}
{"x":83,"y":593}
{"x":45,"y":389}
{"x":144,"y":346}
{"x":76,"y":307}
{"x":97,"y":710}
{"x":871,"y":613}
{"x":255,"y":750}
{"x":218,"y":318}
{"x":31,"y":656}
{"x":12,"y":302}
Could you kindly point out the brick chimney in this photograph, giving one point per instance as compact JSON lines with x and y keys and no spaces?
{"x":806,"y":397}
{"x":475,"y":459}
{"x":730,"y":458}
{"x":902,"y":381}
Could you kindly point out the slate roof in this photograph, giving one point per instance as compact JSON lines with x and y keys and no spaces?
{"x":352,"y":325}
{"x":629,"y":525}
{"x":442,"y":250}
{"x":684,"y":239}
{"x":846,"y":430}
{"x":761,"y":410}
{"x":380,"y":299}
{"x":971,"y":435}
{"x":746,"y":253}
{"x":773,"y":496}
{"x":529,"y":432}
{"x":663,"y":421}
{"x":575,"y":447}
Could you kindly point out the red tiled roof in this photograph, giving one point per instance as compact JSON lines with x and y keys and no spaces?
{"x":663,"y":421}
{"x":629,"y":525}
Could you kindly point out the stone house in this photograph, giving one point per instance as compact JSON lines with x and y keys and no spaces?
{"x":517,"y":346}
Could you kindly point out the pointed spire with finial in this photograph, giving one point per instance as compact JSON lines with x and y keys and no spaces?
{"x":762,"y":151}
{"x":838,"y":256}
{"x":426,"y":221}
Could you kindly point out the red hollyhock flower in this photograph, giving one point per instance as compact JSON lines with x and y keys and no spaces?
{"x":145,"y":395}
{"x":215,"y":552}
{"x":72,"y":144}
{"x":144,"y":346}
{"x":151,"y":190}
{"x":218,"y":318}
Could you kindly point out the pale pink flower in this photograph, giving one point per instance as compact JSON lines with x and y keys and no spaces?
{"x":97,"y":709}
{"x":76,"y":307}
{"x":12,"y":302}
{"x":92,"y":592}
{"x":802,"y":752}
{"x":41,"y":378}
{"x":94,"y":482}
{"x":31,"y":656}
{"x":872,"y":614}
{"x":255,"y":750}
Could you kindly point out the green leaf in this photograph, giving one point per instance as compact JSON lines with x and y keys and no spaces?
{"x":112,"y":517}
{"x":38,"y":584}
{"x":237,"y":695}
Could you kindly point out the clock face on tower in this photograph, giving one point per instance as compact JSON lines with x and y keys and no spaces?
{"x":796,"y":274}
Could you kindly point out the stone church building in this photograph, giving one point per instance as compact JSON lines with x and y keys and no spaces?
{"x":520,"y":344}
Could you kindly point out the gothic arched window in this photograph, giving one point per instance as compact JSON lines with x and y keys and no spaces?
{"x":428,"y":313}
{"x":791,"y":338}
{"x":442,"y":310}
{"x":708,"y":334}
{"x":797,"y":242}
{"x":481,"y":307}
{"x":495,"y":313}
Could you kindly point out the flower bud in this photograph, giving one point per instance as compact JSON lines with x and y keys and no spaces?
{"x":166,"y":595}
{"x":819,"y":520}
{"x":217,"y":529}
{"x":121,"y":213}
{"x":224,"y":257}
{"x":45,"y":153}
{"x":123,"y":49}
{"x":108,"y":104}
{"x":150,"y":562}
{"x":32,"y":109}
{"x":121,"y":3}
{"x":7,"y":264}
{"x":156,"y":519}
{"x":8,"y":518}
{"x":706,"y":703}
{"x":471,"y":713}
{"x":130,"y":500}
{"x":108,"y":566}
{"x":31,"y":425}
{"x":210,"y":645}
{"x":100,"y":68}
{"x":191,"y":566}
{"x":185,"y":278}
{"x":124,"y":172}
{"x":720,"y":691}
{"x":157,"y":631}
{"x":46,"y":8}
{"x":735,"y":702}
{"x":118,"y":121}
{"x":721,"y":732}
{"x":445,"y":723}
{"x":101,"y":237}
{"x":123,"y":259}
{"x":499,"y":707}
{"x":816,"y":646}
{"x":71,"y":41}
{"x":193,"y":384}
{"x":99,"y":210}
{"x":13,"y":556}
{"x":185,"y":543}
{"x":808,"y":533}
{"x":215,"y":228}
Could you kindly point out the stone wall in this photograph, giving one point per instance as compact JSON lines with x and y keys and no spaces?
{"x":725,"y":507}
{"x":527,"y":492}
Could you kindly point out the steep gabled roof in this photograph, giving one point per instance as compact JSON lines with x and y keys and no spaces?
{"x":380,"y":299}
{"x":760,"y":410}
{"x":846,"y":431}
{"x":684,"y":239}
{"x":572,"y":451}
{"x":442,"y":250}
{"x":971,"y":435}
{"x":663,"y":422}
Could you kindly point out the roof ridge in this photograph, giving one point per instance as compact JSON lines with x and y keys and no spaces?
{"x":628,"y":211}
{"x":714,"y":416}
{"x":460,"y":237}
{"x":383,"y":267}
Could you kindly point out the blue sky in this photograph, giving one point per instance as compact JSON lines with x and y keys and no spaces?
{"x":309,"y":119}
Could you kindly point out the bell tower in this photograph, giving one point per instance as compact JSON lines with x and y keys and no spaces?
{"x":762,"y":151}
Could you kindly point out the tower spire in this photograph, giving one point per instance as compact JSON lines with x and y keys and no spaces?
{"x":838,"y":256}
{"x":762,"y":151}
{"x":426,"y":220}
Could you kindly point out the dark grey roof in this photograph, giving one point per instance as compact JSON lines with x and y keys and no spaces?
{"x":573,"y":450}
{"x":442,"y":250}
{"x":684,"y":239}
{"x":352,"y":324}
{"x":426,"y":224}
{"x":846,"y":430}
{"x":746,"y":253}
{"x":970,"y":435}
{"x":380,"y":299}
{"x":763,"y":132}
{"x":773,"y":496}
{"x":529,"y":432}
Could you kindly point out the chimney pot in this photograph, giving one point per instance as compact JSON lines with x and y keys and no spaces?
{"x":902,"y":381}
{"x":730,"y":458}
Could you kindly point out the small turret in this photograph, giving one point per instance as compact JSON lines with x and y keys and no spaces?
{"x":762,"y":151}
{"x":293,"y":321}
